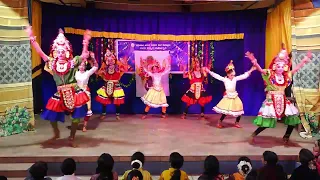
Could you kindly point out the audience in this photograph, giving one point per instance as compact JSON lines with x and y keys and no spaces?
{"x":38,"y":171}
{"x":244,"y":168}
{"x":211,"y":169}
{"x":68,"y":169}
{"x":104,"y":169}
{"x":3,"y":178}
{"x":134,"y":175}
{"x":307,"y":169}
{"x":174,"y":173}
{"x":271,"y":169}
{"x":137,"y":162}
{"x":253,"y":175}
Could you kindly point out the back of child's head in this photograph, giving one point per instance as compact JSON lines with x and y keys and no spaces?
{"x":135,"y":175}
{"x":244,"y":165}
{"x":38,"y":170}
{"x":68,"y":166}
{"x":271,"y":158}
{"x":137,"y":160}
{"x":176,"y":161}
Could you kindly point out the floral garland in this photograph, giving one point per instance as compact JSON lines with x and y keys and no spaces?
{"x":212,"y":58}
{"x":15,"y":121}
{"x":133,"y":78}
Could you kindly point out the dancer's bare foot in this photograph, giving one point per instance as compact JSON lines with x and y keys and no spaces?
{"x":117,"y":118}
{"x":237,"y":125}
{"x":84,"y":129}
{"x":219,"y":125}
{"x":163,"y":116}
{"x":251,"y":140}
{"x":102,"y":117}
{"x":285,"y":140}
{"x":144,"y":117}
{"x":72,"y":142}
{"x":183,"y":116}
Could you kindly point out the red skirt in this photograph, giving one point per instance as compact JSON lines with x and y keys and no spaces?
{"x":190,"y":99}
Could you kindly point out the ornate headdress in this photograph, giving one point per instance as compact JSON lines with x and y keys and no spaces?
{"x":230,"y":66}
{"x":109,"y":57}
{"x":282,"y":57}
{"x":151,"y":62}
{"x":61,"y":42}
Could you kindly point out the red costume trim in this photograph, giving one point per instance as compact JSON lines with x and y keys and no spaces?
{"x":106,"y":101}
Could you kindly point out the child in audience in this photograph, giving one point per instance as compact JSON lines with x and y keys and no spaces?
{"x":174,"y":172}
{"x":134,"y":175}
{"x":68,"y":168}
{"x":307,"y":169}
{"x":137,"y":162}
{"x":244,"y":167}
{"x":271,"y":169}
{"x":38,"y":171}
{"x":211,"y":169}
{"x":104,"y":170}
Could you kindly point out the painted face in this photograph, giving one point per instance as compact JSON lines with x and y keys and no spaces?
{"x":232,"y":74}
{"x":61,"y":53}
{"x":108,"y":52}
{"x":155,"y":69}
{"x":197,"y":68}
{"x":279,"y":67}
{"x":82,"y":67}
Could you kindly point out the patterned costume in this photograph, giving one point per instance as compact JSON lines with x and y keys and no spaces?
{"x":230,"y":104}
{"x":196,"y":93}
{"x":156,"y":97}
{"x":69,"y":97}
{"x":276,"y":106}
{"x":111,"y":92}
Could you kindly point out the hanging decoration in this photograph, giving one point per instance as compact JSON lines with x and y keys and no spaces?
{"x":211,"y":58}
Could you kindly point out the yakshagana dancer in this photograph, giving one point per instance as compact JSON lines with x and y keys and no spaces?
{"x":276,"y":106}
{"x":155,"y":96}
{"x":111,"y":72}
{"x":82,"y":76}
{"x":196,"y":93}
{"x":230,"y":104}
{"x":69,"y":96}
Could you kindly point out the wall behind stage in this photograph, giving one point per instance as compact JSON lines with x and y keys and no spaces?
{"x":224,"y":52}
{"x":15,"y":62}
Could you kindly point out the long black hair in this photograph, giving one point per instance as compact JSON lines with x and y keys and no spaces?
{"x":137,"y":156}
{"x":211,"y":167}
{"x":306,"y":156}
{"x":176,"y":161}
{"x":105,"y":166}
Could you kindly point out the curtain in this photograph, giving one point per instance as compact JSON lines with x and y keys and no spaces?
{"x":278,"y":30}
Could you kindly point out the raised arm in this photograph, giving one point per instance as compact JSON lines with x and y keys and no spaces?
{"x":85,"y":43}
{"x":94,"y":65}
{"x":148,"y":72}
{"x":35,"y":44}
{"x":304,"y":61}
{"x":250,"y":56}
{"x":214,"y":75}
{"x":168,"y":67}
{"x":246,"y":74}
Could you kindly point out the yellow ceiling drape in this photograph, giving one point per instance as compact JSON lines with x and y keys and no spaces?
{"x":278,"y":30}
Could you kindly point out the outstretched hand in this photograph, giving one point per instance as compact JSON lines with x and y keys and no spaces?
{"x":250,"y":56}
{"x":29,"y":31}
{"x":308,"y":58}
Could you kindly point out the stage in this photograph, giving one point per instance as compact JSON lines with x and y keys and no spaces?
{"x":155,"y":137}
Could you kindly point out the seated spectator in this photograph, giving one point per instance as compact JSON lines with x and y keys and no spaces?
{"x":38,"y":171}
{"x":174,"y":172}
{"x":105,"y":168}
{"x":211,"y":169}
{"x":137,"y":162}
{"x":68,"y":168}
{"x":307,"y":169}
{"x":3,"y":178}
{"x":253,"y":175}
{"x":244,"y":168}
{"x":271,"y":169}
{"x":134,"y":175}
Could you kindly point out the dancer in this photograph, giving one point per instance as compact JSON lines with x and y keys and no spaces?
{"x":82,"y":76}
{"x":276,"y":106}
{"x":196,"y":93}
{"x":155,"y":96}
{"x":69,"y":97}
{"x":230,"y":104}
{"x":111,"y":72}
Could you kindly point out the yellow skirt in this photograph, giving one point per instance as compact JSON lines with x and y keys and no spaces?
{"x":229,"y":106}
{"x":155,"y":98}
{"x":117,"y":93}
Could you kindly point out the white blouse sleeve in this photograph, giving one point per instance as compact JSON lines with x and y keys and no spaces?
{"x":92,"y":70}
{"x":242,"y":76}
{"x":216,"y":76}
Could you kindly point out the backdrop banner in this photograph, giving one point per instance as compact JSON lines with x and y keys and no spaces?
{"x":144,"y":54}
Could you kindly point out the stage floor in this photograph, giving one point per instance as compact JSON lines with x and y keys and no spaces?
{"x":153,"y":136}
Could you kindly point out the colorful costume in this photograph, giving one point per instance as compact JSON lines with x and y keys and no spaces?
{"x":230,"y":104}
{"x":111,"y":92}
{"x":82,"y":81}
{"x":156,"y":97}
{"x":276,"y":106}
{"x":196,"y":93}
{"x":69,"y":97}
